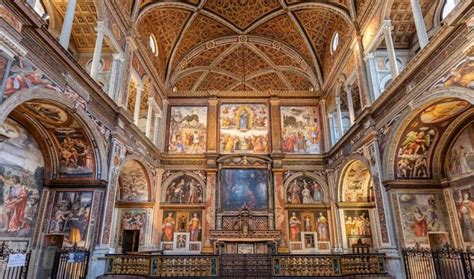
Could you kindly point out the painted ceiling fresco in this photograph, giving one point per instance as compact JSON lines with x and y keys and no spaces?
{"x":244,"y":45}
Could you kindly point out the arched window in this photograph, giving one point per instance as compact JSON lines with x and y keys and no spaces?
{"x":152,"y":44}
{"x":449,"y":5}
{"x":334,"y":42}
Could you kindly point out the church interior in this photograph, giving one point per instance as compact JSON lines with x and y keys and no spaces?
{"x":236,"y":138}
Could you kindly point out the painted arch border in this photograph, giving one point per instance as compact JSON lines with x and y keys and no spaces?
{"x":90,"y":129}
{"x":317,"y":177}
{"x":345,"y":166}
{"x":408,"y":114}
{"x":167,"y":182}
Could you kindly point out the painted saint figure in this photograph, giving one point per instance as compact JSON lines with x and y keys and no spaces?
{"x":465,"y":210}
{"x":322,"y":227}
{"x":15,"y":199}
{"x":295,"y":193}
{"x":307,"y":198}
{"x":295,"y":227}
{"x":307,"y":223}
{"x":420,"y":227}
{"x":194,"y":227}
{"x":244,"y":120}
{"x":168,"y":227}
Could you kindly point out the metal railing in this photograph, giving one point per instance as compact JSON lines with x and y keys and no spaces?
{"x":70,"y":263}
{"x":12,"y":272}
{"x":243,"y":265}
{"x":446,"y":263}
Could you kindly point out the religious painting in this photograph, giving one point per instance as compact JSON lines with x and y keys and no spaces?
{"x":421,"y":213}
{"x":194,"y":226}
{"x":300,"y":130}
{"x":70,"y":216}
{"x":414,"y":155}
{"x":357,"y":226}
{"x":461,"y":75}
{"x":47,"y":113}
{"x":133,"y":183}
{"x":188,"y":130}
{"x":21,"y":180}
{"x":308,"y":221}
{"x":181,"y":241}
{"x":184,"y":189}
{"x":75,"y":152}
{"x":132,"y":219}
{"x":244,"y":128}
{"x":438,"y":240}
{"x":304,"y":190}
{"x":182,"y":221}
{"x":464,"y":201}
{"x":357,"y":183}
{"x":169,"y":226}
{"x":460,"y":157}
{"x":25,"y":77}
{"x":244,"y":187}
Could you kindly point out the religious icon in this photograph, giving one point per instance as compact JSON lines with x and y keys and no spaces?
{"x":188,"y":130}
{"x":184,"y":189}
{"x":194,"y":227}
{"x":133,"y":182}
{"x":465,"y":213}
{"x":304,"y":190}
{"x":322,"y":227}
{"x":244,"y":187}
{"x":300,"y":130}
{"x":168,"y":227}
{"x":295,"y":227}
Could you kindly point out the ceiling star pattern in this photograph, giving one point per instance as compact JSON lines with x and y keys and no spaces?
{"x":165,"y":25}
{"x":239,"y":45}
{"x":243,"y":14}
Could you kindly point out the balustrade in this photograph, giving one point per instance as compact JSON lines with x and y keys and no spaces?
{"x":238,"y":265}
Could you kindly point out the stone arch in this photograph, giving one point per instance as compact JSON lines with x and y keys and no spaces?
{"x":98,"y":141}
{"x":409,"y":113}
{"x":316,"y":178}
{"x":359,"y":166}
{"x":168,"y":182}
{"x":133,"y":174}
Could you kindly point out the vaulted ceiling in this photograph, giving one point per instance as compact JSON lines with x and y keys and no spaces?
{"x":244,"y":45}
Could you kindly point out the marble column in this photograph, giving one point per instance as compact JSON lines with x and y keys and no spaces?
{"x":419,"y":23}
{"x":138,"y":102}
{"x":339,"y":116}
{"x":156,"y":134}
{"x":392,"y":56}
{"x":66,"y":30}
{"x":363,"y":75}
{"x":149,"y":116}
{"x":336,"y":225}
{"x":97,"y":50}
{"x":370,"y":58}
{"x":115,"y":75}
{"x":350,"y":104}
{"x":155,"y":239}
{"x":163,"y":125}
{"x":275,"y":123}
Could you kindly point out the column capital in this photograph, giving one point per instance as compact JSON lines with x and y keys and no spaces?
{"x":213,"y":102}
{"x":101,"y":26}
{"x":165,"y":102}
{"x":119,"y":57}
{"x":274,"y":101}
{"x":369,"y":56}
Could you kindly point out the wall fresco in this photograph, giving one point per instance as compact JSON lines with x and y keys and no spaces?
{"x":304,"y":190}
{"x":460,"y":157}
{"x":464,"y":201}
{"x":21,"y":174}
{"x":300,"y":130}
{"x":414,"y":155}
{"x":244,"y":128}
{"x":70,"y":216}
{"x":132,"y":219}
{"x":133,"y":183}
{"x":420,"y":215}
{"x":188,"y":130}
{"x":357,"y":184}
{"x":357,"y":226}
{"x":184,"y":190}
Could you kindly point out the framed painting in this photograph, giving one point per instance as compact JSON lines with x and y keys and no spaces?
{"x":240,"y":187}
